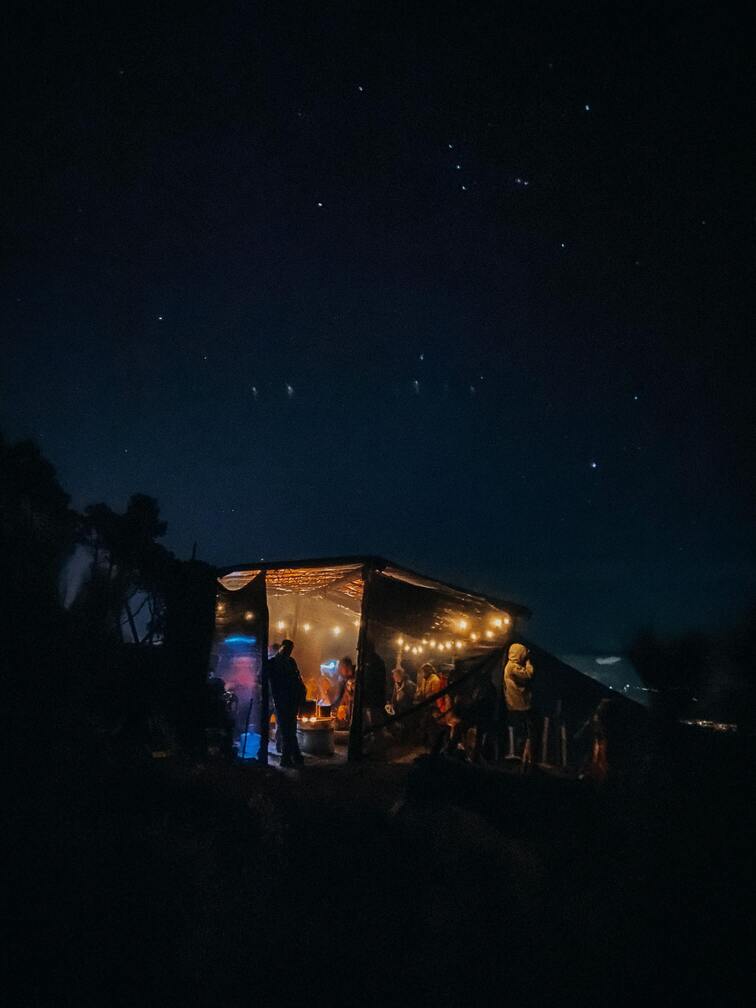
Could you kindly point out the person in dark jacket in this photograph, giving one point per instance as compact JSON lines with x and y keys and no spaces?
{"x":288,"y":695}
{"x":374,"y":689}
{"x":475,"y":708}
{"x":402,"y":693}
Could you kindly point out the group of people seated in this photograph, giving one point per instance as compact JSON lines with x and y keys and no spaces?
{"x":444,"y":714}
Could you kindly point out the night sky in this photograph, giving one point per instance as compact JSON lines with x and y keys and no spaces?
{"x":464,"y":285}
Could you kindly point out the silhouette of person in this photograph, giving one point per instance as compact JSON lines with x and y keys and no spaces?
{"x":288,"y":694}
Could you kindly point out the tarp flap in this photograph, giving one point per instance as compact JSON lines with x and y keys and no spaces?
{"x":241,"y":626}
{"x":465,"y":597}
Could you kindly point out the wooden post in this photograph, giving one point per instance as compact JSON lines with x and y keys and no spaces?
{"x":510,"y":732}
{"x":545,"y":741}
{"x":354,"y":747}
{"x":262,"y":755}
{"x":563,"y":740}
{"x":295,"y":618}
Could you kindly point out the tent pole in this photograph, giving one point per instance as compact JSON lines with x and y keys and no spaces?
{"x":262,"y":754}
{"x":354,"y":748}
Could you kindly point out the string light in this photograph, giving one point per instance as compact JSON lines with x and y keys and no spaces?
{"x":473,"y":636}
{"x":462,"y":624}
{"x":406,"y":647}
{"x":458,"y":644}
{"x":497,"y":622}
{"x":306,"y":627}
{"x":489,"y":634}
{"x":400,"y":641}
{"x":336,"y":631}
{"x":280,"y":625}
{"x":220,"y":607}
{"x":248,"y":615}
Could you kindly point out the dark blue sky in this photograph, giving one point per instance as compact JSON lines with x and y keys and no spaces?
{"x":467,"y":289}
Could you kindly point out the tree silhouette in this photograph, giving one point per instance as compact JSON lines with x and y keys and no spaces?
{"x":127,"y":563}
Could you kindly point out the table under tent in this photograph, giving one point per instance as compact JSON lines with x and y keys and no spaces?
{"x":376,"y":617}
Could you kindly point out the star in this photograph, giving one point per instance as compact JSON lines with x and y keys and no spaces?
{"x":594,"y":465}
{"x":290,"y":391}
{"x":160,"y":318}
{"x":562,"y":245}
{"x":450,"y":146}
{"x":320,"y":204}
{"x":587,"y":108}
{"x":360,"y":87}
{"x":458,"y":166}
{"x":464,"y":188}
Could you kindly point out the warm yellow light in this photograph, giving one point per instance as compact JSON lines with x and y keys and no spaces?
{"x":356,"y":623}
{"x":425,"y":641}
{"x":462,"y":624}
{"x":306,"y":627}
{"x":414,"y":650}
{"x":336,"y":631}
{"x":489,"y":634}
{"x":458,"y":644}
{"x":473,"y":636}
{"x":406,"y":647}
{"x":249,"y":615}
{"x":220,"y":607}
{"x":507,"y":620}
{"x":400,"y":641}
{"x":432,"y":643}
{"x":448,"y":645}
{"x":280,"y":625}
{"x":497,"y":622}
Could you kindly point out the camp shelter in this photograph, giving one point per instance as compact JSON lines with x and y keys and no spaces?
{"x":382,"y":617}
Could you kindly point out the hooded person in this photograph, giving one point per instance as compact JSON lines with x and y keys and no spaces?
{"x":518,"y":696}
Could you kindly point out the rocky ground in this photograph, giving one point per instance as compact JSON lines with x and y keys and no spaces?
{"x":148,"y":881}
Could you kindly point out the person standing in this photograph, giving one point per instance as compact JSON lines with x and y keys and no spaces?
{"x":518,"y":695}
{"x":343,"y":700}
{"x":374,"y":685}
{"x":288,"y":694}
